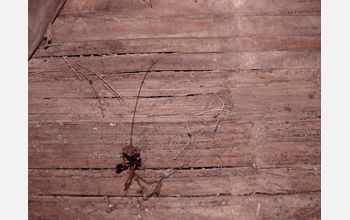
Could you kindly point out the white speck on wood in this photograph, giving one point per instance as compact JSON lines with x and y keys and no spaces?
{"x":258,"y":209}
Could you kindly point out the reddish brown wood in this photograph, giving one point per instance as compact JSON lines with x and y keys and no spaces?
{"x":262,"y":58}
{"x":256,"y":206}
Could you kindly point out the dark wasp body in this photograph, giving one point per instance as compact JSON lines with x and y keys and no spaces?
{"x":132,"y":155}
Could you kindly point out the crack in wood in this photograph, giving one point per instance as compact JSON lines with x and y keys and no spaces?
{"x":125,"y":54}
{"x":154,"y":169}
{"x":291,"y":192}
{"x":190,"y":196}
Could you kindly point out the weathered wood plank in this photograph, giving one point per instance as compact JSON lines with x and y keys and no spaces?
{"x":157,"y":82}
{"x":284,"y":118}
{"x":285,"y":206}
{"x":262,"y":58}
{"x":135,"y":7}
{"x":246,"y":145}
{"x":187,"y":31}
{"x":72,"y":29}
{"x":57,"y":87}
{"x":290,"y":107}
{"x":172,"y":94}
{"x":277,"y":7}
{"x":189,"y":45}
{"x":164,"y":110}
{"x":279,"y":25}
{"x":211,"y":182}
{"x":98,"y":145}
{"x":191,"y":27}
{"x":209,"y":62}
{"x":288,"y":117}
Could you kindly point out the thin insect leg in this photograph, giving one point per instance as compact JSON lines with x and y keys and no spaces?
{"x":138,"y":96}
{"x":128,"y":181}
{"x":98,"y":98}
{"x":201,"y":113}
{"x":222,"y":108}
{"x":49,"y":77}
{"x":156,"y":189}
{"x":138,"y":177}
{"x":189,"y":143}
{"x":143,"y":140}
{"x":145,"y":194}
{"x":143,"y":165}
{"x":138,"y":181}
{"x":113,"y":207}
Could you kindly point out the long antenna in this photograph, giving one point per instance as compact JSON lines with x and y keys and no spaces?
{"x":138,"y":95}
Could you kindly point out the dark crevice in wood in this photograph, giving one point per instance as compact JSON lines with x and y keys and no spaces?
{"x":103,"y":55}
{"x":156,"y":97}
{"x":113,"y":169}
{"x":155,"y":169}
{"x":288,"y":193}
{"x":158,"y":53}
{"x":127,"y":54}
{"x":291,"y":168}
{"x":272,"y":47}
{"x":292,"y":192}
{"x":201,"y":70}
{"x":142,"y":97}
{"x":258,"y":10}
{"x":191,"y":168}
{"x":190,"y":95}
{"x":284,"y":13}
{"x":171,"y":71}
{"x":132,"y":196}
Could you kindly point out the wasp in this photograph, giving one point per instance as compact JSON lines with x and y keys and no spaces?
{"x":131,"y":154}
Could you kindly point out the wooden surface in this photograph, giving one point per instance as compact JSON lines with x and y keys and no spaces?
{"x":262,"y":58}
{"x":41,"y":14}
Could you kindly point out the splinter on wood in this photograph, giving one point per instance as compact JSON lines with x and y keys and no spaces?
{"x":189,"y":143}
{"x":91,"y":84}
{"x":222,"y":108}
{"x":149,"y":4}
{"x":103,"y":82}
